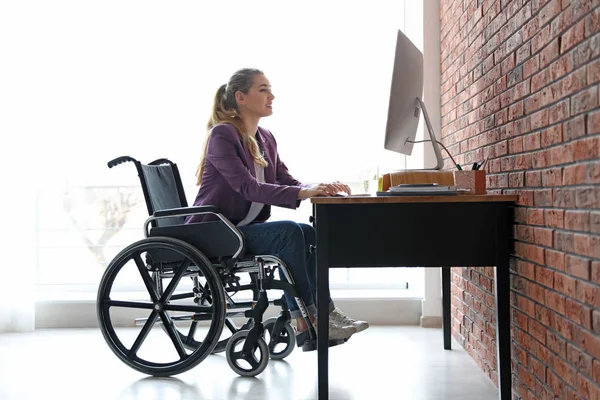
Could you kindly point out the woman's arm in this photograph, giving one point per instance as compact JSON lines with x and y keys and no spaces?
{"x":282,"y":175}
{"x":224,"y":152}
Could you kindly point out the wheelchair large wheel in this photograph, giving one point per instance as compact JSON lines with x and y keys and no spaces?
{"x":128,"y":291}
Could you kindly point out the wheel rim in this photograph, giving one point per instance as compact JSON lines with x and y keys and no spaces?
{"x":151,"y":349}
{"x":282,"y":346}
{"x":250,"y":364}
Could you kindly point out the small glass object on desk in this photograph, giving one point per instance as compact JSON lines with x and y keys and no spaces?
{"x":470,"y":181}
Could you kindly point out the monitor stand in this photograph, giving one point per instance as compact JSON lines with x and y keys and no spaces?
{"x":432,"y":139}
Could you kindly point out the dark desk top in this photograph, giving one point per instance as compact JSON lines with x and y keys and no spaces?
{"x":461,"y":198}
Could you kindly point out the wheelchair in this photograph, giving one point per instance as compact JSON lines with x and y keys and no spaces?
{"x":180,"y":281}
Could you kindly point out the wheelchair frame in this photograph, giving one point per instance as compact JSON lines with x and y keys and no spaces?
{"x":173,"y":258}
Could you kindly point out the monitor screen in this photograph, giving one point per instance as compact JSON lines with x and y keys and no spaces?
{"x":406,"y":87}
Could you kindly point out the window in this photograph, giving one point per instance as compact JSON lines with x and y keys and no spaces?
{"x":138,"y":79}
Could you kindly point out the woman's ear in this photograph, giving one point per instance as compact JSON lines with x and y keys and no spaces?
{"x":240,"y":97}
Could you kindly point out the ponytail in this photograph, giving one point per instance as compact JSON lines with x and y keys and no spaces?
{"x":225,"y":111}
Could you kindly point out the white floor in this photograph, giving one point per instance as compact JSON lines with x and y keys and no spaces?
{"x":404,"y":362}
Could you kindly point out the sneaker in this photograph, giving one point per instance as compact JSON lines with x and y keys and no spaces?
{"x":338,"y":317}
{"x":338,"y":332}
{"x":337,"y":335}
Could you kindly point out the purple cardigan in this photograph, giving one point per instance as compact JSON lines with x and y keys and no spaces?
{"x":229,"y":180}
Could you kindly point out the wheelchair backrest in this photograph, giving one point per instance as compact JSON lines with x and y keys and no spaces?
{"x":161,"y":184}
{"x":162,"y":187}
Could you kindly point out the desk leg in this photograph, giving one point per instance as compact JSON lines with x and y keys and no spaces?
{"x":446,"y":308}
{"x":502,"y":278}
{"x":322,"y":229}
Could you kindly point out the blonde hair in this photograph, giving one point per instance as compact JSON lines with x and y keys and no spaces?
{"x":225,"y":111}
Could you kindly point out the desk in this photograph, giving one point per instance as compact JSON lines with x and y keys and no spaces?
{"x":426,"y":231}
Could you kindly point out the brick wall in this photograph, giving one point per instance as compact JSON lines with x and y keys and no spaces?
{"x":521,"y":85}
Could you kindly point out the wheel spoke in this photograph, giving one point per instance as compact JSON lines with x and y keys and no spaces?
{"x":145,"y":276}
{"x":175,"y":338}
{"x":144,"y":332}
{"x":187,"y":308}
{"x":175,"y":281}
{"x":252,"y":360}
{"x":190,"y":336}
{"x":128,"y":304}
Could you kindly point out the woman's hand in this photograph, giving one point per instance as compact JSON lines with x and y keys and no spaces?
{"x":323,"y":189}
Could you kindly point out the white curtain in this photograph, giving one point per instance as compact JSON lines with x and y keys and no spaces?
{"x":18,"y":250}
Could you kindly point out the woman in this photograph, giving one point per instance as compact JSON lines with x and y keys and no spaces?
{"x":240,"y":172}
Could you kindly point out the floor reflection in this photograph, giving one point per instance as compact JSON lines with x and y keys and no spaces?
{"x":161,"y":388}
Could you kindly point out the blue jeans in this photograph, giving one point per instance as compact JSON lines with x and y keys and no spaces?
{"x":289,"y":241}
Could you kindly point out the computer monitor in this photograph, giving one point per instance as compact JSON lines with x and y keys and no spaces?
{"x":405,"y":101}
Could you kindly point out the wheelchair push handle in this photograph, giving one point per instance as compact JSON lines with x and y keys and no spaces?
{"x":120,"y":160}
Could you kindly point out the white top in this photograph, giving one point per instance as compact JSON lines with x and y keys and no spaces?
{"x":255,"y":208}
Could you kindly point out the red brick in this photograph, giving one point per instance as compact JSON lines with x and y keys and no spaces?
{"x":545,"y":276}
{"x":527,"y":306}
{"x":592,"y":23}
{"x":578,"y":313}
{"x":515,"y":145}
{"x":542,"y":198}
{"x":558,"y":112}
{"x":593,"y":72}
{"x":588,"y":293}
{"x":555,"y":301}
{"x":572,"y":83}
{"x":575,"y":127}
{"x":595,"y":272}
{"x":539,"y":119}
{"x":587,"y":341}
{"x":579,"y":359}
{"x":575,"y":174}
{"x":555,"y":383}
{"x":552,"y":177}
{"x":593,"y":172}
{"x":564,"y":198}
{"x":526,"y":269}
{"x":549,"y":11}
{"x":530,"y":252}
{"x":537,"y":330}
{"x":593,"y":122}
{"x":561,"y":367}
{"x":561,"y":154}
{"x":588,"y":148}
{"x":551,"y":136}
{"x":537,"y":368}
{"x":578,"y":266}
{"x":554,"y":218}
{"x":543,"y":236}
{"x":555,"y":259}
{"x":577,"y":220}
{"x":565,"y":284}
{"x":595,"y":221}
{"x":573,"y":36}
{"x":533,"y":178}
{"x":587,"y":197}
{"x":584,"y":101}
{"x":535,"y":216}
{"x":585,"y":387}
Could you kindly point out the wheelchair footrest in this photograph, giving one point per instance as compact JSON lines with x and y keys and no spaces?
{"x":307,"y":344}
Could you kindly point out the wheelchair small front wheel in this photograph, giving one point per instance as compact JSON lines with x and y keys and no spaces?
{"x":280,"y":343}
{"x":250,"y":364}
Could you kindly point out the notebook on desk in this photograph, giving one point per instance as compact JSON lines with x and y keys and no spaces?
{"x":427,"y":189}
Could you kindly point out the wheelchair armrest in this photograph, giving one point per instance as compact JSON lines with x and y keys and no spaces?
{"x":186,"y":211}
